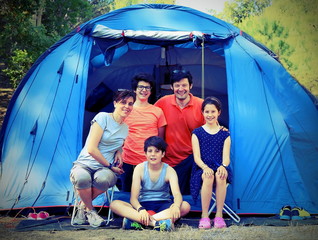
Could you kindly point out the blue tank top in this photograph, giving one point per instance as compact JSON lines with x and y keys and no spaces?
{"x":154,"y":191}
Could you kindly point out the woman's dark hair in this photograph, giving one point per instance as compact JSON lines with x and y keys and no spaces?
{"x":156,"y":142}
{"x":146,"y":77}
{"x":177,"y":75}
{"x":121,"y":95}
{"x":212,"y":100}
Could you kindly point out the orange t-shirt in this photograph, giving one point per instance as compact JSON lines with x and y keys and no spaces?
{"x":180,"y":124}
{"x":143,"y":122}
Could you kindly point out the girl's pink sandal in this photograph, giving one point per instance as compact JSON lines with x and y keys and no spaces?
{"x":205,"y":223}
{"x":42,"y":215}
{"x":219,"y":222}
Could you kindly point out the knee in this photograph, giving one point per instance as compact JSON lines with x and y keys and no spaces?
{"x":219,"y":181}
{"x":114,"y":204}
{"x":208,"y":180}
{"x":104,"y":182}
{"x":82,"y":182}
{"x":185,"y":208}
{"x":118,"y":207}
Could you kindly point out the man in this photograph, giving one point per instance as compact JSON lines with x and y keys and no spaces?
{"x":183,"y":114}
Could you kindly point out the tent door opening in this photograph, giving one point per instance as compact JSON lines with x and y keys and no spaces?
{"x":112,"y":68}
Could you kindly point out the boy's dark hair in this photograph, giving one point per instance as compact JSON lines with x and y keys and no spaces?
{"x":156,"y":142}
{"x":121,"y":95}
{"x":177,"y":75}
{"x":146,"y":77}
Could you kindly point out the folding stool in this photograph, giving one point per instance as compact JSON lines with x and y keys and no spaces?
{"x":109,"y":195}
{"x":226,"y":208}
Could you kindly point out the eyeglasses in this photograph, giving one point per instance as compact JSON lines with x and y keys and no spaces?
{"x":141,"y":87}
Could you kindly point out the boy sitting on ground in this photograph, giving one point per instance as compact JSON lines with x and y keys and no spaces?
{"x":150,"y":192}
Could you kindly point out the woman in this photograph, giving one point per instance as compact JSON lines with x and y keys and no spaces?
{"x":99,"y":163}
{"x":211,"y":151}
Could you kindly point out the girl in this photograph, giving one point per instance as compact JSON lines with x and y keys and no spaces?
{"x":211,"y":149}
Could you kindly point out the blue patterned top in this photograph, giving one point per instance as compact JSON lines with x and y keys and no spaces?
{"x":211,"y":150}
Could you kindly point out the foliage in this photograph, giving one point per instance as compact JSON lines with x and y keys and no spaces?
{"x":101,"y":7}
{"x":290,"y":29}
{"x":18,"y":65}
{"x":34,"y":25}
{"x":237,"y":10}
{"x":15,"y":25}
{"x":124,"y":3}
{"x":61,"y":16}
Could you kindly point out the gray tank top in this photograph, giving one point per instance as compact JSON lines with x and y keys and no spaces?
{"x":154,"y":191}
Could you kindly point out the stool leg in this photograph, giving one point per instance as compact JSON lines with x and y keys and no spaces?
{"x":226,"y":208}
{"x":75,"y":207}
{"x":110,"y":199}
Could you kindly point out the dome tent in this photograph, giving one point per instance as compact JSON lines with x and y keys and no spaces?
{"x":272,"y":119}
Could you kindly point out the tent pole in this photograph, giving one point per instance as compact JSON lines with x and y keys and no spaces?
{"x":202,"y":69}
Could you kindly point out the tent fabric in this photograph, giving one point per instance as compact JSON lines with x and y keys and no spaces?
{"x":271,"y":117}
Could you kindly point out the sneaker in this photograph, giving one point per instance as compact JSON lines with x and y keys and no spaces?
{"x":80,"y":217}
{"x":164,"y":225}
{"x":298,"y":213}
{"x":131,"y":225}
{"x":94,"y":219}
{"x":285,"y":213}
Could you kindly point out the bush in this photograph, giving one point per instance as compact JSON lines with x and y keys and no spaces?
{"x":18,"y":65}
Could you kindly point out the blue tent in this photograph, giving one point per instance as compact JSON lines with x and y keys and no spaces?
{"x":272,"y":118}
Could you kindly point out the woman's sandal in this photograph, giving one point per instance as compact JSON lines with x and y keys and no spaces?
{"x":205,"y":223}
{"x":219,"y":222}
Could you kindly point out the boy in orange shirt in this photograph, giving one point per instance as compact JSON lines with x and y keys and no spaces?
{"x":144,"y":121}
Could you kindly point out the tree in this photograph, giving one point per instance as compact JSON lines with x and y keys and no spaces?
{"x":15,"y":25}
{"x":236,"y":11}
{"x":101,"y":7}
{"x":124,"y":3}
{"x":60,"y":17}
{"x":290,"y":29}
{"x":31,"y":26}
{"x":18,"y":64}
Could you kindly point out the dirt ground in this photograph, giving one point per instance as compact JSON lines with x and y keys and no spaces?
{"x":309,"y":232}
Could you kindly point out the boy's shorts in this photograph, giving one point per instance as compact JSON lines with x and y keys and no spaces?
{"x":157,"y":206}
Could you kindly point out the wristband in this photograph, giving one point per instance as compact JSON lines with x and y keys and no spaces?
{"x":224,"y":165}
{"x":141,"y":208}
{"x":110,"y":166}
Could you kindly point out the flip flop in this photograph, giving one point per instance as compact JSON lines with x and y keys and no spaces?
{"x":205,"y":223}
